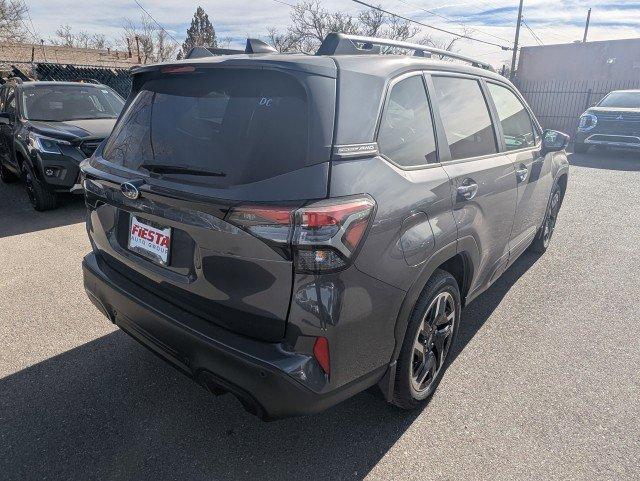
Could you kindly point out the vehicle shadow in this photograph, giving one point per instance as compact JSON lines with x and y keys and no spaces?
{"x":18,"y":217}
{"x":476,"y":314}
{"x":623,"y":160}
{"x":110,"y":410}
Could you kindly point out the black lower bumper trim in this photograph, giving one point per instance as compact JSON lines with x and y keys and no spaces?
{"x":220,"y":360}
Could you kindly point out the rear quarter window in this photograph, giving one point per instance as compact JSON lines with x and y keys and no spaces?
{"x":406,"y":133}
{"x":247,"y":125}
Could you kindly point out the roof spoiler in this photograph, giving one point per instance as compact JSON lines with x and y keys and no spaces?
{"x":343,"y":44}
{"x":254,"y":46}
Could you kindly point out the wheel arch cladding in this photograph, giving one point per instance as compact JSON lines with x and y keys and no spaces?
{"x":460,"y":266}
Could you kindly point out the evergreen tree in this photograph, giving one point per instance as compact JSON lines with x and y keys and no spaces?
{"x":200,"y":34}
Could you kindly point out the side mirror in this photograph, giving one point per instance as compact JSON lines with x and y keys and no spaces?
{"x":554,"y":141}
{"x":4,"y":118}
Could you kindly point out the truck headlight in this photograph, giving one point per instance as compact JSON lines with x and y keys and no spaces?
{"x":587,"y":122}
{"x":44,"y":144}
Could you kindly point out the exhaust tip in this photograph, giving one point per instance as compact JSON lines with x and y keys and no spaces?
{"x":218,"y":386}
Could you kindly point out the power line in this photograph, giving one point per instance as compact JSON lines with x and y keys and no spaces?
{"x":155,"y":21}
{"x":532,"y":32}
{"x":283,"y":3}
{"x":510,"y":20}
{"x":453,"y":20}
{"x":431,"y":26}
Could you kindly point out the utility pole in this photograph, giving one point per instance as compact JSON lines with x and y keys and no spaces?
{"x":515,"y":43}
{"x":586,"y":27}
{"x":137,"y":39}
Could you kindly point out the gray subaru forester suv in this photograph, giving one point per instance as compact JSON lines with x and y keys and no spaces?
{"x":295,"y":229}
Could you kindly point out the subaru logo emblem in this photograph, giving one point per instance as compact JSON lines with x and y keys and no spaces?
{"x":129,"y":190}
{"x":620,"y":117}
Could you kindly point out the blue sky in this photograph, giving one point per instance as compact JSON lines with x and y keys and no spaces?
{"x":553,"y":21}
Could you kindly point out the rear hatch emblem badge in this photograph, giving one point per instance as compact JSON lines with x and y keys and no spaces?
{"x":131,"y":189}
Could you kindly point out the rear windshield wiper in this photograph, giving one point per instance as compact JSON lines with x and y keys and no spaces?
{"x":172,"y":169}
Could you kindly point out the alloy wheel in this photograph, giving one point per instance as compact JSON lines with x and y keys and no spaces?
{"x":432,"y":342}
{"x":28,"y":183}
{"x":552,"y":215}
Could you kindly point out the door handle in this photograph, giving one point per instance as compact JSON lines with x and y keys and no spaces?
{"x":468,"y":189}
{"x":521,"y":173}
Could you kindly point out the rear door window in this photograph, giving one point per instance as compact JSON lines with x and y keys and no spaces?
{"x":465,"y":117}
{"x":406,"y":132}
{"x":241,"y":126}
{"x":517,"y":127}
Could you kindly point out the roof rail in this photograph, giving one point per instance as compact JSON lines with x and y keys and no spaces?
{"x":344,"y":44}
{"x":254,"y":46}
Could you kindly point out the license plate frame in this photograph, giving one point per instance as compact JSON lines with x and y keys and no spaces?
{"x":149,"y":240}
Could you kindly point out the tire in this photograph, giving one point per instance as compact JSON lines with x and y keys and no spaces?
{"x":6,"y":175}
{"x":40,"y":198}
{"x":543,"y":237}
{"x":580,"y":148}
{"x":427,"y":343}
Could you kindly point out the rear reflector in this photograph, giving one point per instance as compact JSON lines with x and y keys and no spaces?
{"x":323,"y":236}
{"x":321,"y":353}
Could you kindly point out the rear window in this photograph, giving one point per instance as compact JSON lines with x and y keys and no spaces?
{"x":240,"y":125}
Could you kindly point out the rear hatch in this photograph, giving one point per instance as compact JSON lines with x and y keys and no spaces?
{"x":181,"y":196}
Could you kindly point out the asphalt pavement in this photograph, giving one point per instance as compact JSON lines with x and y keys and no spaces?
{"x":545,"y":383}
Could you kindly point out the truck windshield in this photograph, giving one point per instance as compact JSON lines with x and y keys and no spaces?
{"x":240,"y":126}
{"x":629,"y":100}
{"x":58,"y":103}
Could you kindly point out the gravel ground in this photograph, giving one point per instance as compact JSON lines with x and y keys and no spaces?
{"x":545,"y":383}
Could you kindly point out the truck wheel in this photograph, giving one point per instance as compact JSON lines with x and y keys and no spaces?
{"x":580,"y":148}
{"x":40,"y":198}
{"x":431,"y":332}
{"x":543,"y":237}
{"x":6,"y":175}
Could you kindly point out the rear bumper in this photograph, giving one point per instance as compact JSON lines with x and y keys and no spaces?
{"x":259,"y":374}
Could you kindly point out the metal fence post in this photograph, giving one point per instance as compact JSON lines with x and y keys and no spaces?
{"x":588,"y":103}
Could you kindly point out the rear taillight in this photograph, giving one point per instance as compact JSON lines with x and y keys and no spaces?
{"x":323,"y":236}
{"x":272,"y":224}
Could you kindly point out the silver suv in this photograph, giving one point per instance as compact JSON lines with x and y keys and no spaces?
{"x":295,"y":229}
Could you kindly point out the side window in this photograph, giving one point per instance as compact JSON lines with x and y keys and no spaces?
{"x":465,"y":117}
{"x":406,"y":131}
{"x":518,"y":129}
{"x":10,"y":103}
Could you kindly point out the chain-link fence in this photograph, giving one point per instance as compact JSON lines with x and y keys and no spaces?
{"x":119,"y":79}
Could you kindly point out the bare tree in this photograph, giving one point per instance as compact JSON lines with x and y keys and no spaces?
{"x":444,"y":44}
{"x":65,"y":36}
{"x":282,"y":42}
{"x":225,"y":42}
{"x":12,"y":21}
{"x":154,"y":43}
{"x":311,"y":22}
